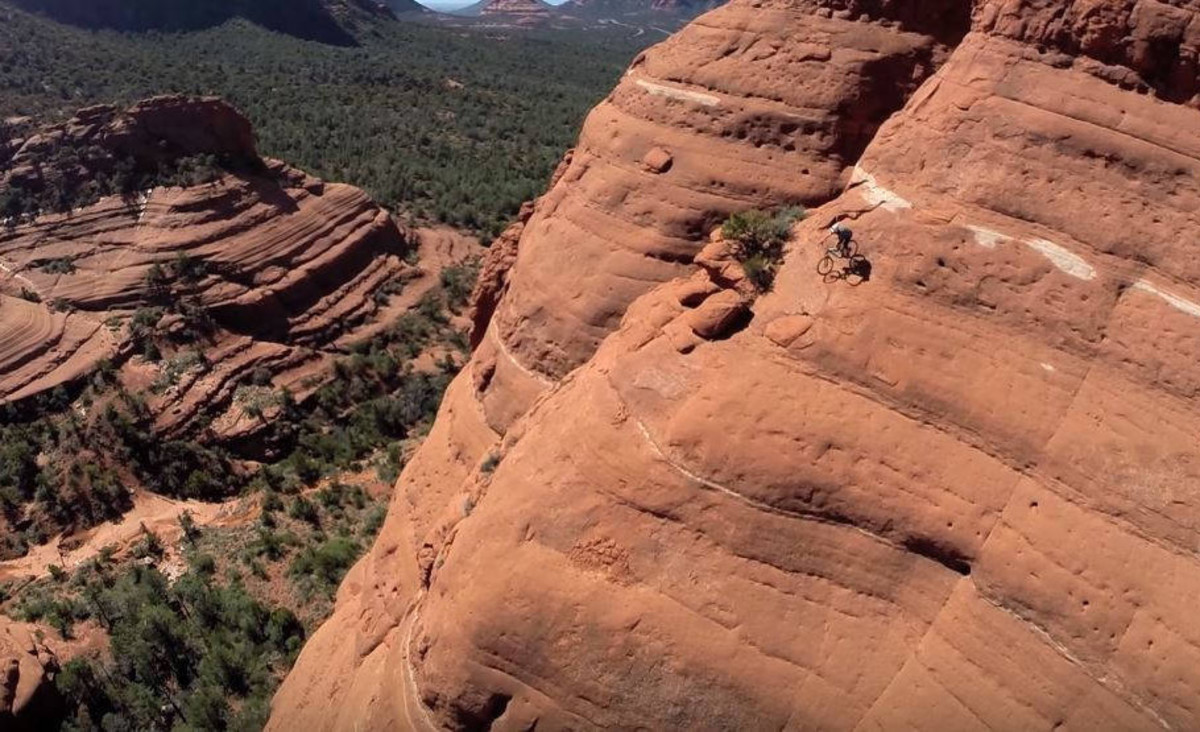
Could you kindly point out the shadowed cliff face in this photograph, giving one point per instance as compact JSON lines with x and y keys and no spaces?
{"x":959,"y":495}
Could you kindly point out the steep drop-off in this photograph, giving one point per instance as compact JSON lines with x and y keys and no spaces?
{"x":960,"y":495}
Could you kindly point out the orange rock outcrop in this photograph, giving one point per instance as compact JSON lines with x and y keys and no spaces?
{"x":961,"y":494}
{"x":283,"y":263}
{"x":520,"y":12}
{"x":27,"y":697}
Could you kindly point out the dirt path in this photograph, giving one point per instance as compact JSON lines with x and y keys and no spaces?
{"x":156,"y":513}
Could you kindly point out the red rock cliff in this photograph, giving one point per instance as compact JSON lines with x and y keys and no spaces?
{"x":962,"y":494}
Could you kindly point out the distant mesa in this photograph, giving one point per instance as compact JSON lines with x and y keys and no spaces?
{"x":686,"y":6}
{"x":599,"y":8}
{"x":536,"y":12}
{"x":516,"y":9}
{"x":582,"y":13}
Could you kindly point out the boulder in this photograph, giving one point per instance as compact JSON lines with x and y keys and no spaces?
{"x":28,"y":700}
{"x":657,"y":160}
{"x":719,"y":315}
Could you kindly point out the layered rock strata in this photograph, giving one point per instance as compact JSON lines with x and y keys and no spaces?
{"x":283,"y":263}
{"x":959,"y":494}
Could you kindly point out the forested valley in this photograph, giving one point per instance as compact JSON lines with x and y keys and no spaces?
{"x":451,"y":125}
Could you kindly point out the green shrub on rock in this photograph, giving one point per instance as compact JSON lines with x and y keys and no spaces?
{"x":759,"y":238}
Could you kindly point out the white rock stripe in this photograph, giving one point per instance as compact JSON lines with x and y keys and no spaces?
{"x":503,"y":348}
{"x":1175,"y":301}
{"x":876,"y":194}
{"x":1061,"y":257}
{"x":987,"y":238}
{"x":660,"y":90}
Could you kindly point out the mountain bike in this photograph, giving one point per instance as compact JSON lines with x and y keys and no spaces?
{"x":855,"y":269}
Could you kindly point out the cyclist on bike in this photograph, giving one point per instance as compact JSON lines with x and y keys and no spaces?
{"x":843,"y":234}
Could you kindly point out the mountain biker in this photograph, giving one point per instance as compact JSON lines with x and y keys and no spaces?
{"x":843,"y":234}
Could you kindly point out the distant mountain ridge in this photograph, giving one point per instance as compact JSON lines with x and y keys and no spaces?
{"x":316,"y":20}
{"x":405,"y":7}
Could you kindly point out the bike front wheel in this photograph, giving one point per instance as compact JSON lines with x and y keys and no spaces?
{"x":825,"y":265}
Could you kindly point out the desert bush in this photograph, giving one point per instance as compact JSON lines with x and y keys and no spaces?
{"x":303,"y":509}
{"x":457,"y":281}
{"x":58,"y":265}
{"x":759,"y":238}
{"x":198,"y":654}
{"x":323,"y":566}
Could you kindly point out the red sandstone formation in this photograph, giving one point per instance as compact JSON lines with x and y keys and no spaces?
{"x":151,"y":132}
{"x":959,"y":495}
{"x":748,"y":106}
{"x":648,"y":9}
{"x":523,"y":12}
{"x":285,"y":264}
{"x":26,"y":667}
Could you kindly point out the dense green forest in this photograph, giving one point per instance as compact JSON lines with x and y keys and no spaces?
{"x":454,"y":125}
{"x":202,"y":649}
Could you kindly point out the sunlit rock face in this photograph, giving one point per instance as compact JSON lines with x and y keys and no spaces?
{"x":959,"y":494}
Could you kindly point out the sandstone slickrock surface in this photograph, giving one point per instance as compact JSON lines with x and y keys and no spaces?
{"x":960,"y":495}
{"x":748,"y":105}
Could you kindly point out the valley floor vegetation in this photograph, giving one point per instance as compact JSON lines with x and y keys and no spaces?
{"x":205,"y":647}
{"x":451,"y":125}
